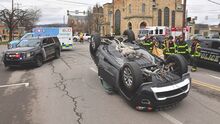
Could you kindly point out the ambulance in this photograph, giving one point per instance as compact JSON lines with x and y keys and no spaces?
{"x":64,"y":35}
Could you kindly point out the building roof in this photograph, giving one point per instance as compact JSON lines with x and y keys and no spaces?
{"x":202,"y":26}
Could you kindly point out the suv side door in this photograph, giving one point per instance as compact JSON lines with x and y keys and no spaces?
{"x":48,"y":45}
{"x":57,"y":43}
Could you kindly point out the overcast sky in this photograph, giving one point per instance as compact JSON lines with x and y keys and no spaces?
{"x":53,"y":11}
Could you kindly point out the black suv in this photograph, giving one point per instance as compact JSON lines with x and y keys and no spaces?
{"x":32,"y":51}
{"x":210,"y":51}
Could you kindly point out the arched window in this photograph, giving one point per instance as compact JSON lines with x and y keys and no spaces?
{"x":159,"y":17}
{"x":117,"y":22}
{"x":166,"y":16}
{"x":143,"y":25}
{"x":129,"y":7}
{"x":173,"y":18}
{"x":143,"y":7}
{"x":129,"y":25}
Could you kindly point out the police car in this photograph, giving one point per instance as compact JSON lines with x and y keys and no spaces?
{"x":210,"y":51}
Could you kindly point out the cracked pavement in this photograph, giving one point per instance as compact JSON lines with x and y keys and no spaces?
{"x":67,"y":91}
{"x":62,"y":87}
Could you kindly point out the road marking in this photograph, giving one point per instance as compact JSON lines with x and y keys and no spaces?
{"x":213,"y":87}
{"x":94,"y":70}
{"x":13,"y":85}
{"x":170,"y":118}
{"x":215,"y":77}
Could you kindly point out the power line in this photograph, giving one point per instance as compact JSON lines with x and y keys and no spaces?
{"x":3,"y":6}
{"x":80,"y":3}
{"x":214,"y":2}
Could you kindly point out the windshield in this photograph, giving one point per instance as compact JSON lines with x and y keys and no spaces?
{"x":29,"y":43}
{"x":27,"y":36}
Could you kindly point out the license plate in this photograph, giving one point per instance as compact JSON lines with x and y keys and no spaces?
{"x":12,"y":56}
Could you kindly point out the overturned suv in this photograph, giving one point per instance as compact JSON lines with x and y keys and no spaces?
{"x":147,"y":82}
{"x":32,"y":51}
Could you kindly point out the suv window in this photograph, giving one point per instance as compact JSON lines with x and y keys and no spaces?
{"x":205,"y":43}
{"x":216,"y":45}
{"x":48,"y":41}
{"x":56,"y":39}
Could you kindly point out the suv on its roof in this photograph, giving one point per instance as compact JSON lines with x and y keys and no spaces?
{"x":32,"y":51}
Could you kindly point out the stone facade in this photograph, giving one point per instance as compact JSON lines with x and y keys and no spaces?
{"x":107,"y":26}
{"x":138,"y":14}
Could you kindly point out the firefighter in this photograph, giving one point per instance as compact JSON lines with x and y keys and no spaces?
{"x":163,"y":46}
{"x":148,"y":43}
{"x":182,"y":47}
{"x":81,"y":37}
{"x":169,"y":47}
{"x":195,"y":53}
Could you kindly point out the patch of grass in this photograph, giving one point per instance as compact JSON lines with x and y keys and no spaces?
{"x":4,"y":43}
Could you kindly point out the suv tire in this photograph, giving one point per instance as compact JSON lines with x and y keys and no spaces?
{"x":38,"y":61}
{"x":57,"y":53}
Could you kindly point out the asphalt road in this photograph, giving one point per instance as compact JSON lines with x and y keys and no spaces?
{"x":68,"y":91}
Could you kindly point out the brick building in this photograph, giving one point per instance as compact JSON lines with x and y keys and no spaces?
{"x":137,"y":14}
{"x":4,"y":32}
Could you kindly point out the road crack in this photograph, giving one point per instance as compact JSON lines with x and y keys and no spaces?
{"x":66,"y":63}
{"x":62,"y":87}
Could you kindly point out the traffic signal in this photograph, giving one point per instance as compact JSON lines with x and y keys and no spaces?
{"x":189,"y":19}
{"x":68,"y":12}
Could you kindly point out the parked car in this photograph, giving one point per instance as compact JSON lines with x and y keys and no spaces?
{"x":213,"y":36}
{"x":210,"y":51}
{"x":85,"y":36}
{"x":144,"y":80}
{"x":32,"y":51}
{"x":14,"y":43}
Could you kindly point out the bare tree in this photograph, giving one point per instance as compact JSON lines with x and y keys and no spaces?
{"x":94,"y":18}
{"x":31,"y":19}
{"x":15,"y":17}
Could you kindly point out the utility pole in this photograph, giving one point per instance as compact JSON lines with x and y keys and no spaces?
{"x":12,"y":16}
{"x":64,"y":19}
{"x":12,"y":6}
{"x":184,"y":19}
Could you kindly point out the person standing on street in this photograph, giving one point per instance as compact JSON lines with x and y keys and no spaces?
{"x":182,"y":48}
{"x":148,"y":43}
{"x":195,"y":54}
{"x":169,"y":47}
{"x":81,"y":37}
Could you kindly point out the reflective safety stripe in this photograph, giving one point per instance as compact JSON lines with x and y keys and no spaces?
{"x":182,"y":52}
{"x":147,"y":44}
{"x":182,"y":46}
{"x":167,"y":53}
{"x":67,"y":45}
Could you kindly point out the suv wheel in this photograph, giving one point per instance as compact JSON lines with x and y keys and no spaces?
{"x":57,"y":53}
{"x":39,"y":60}
{"x":131,"y":77}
